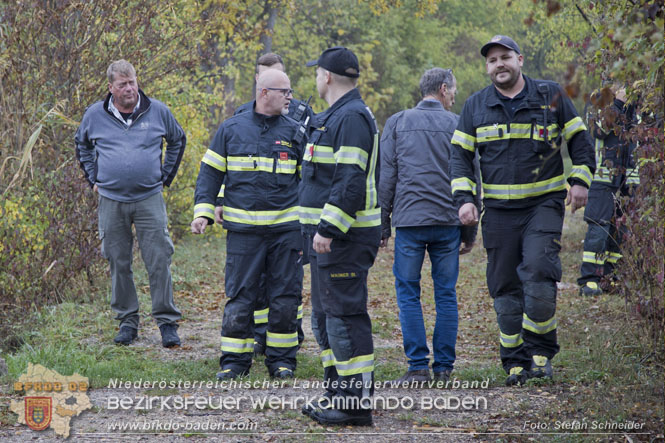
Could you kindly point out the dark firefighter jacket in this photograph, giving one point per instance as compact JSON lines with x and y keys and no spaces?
{"x":338,"y":193}
{"x":520,"y":158}
{"x":260,"y":161}
{"x":615,"y":162}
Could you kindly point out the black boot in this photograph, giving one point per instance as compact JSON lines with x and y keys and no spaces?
{"x":169,"y":335}
{"x":126,"y":335}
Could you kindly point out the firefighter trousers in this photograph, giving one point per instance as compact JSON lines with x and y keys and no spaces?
{"x":279,"y":257}
{"x":523,"y":268}
{"x":340,"y":321}
{"x":603,"y":240}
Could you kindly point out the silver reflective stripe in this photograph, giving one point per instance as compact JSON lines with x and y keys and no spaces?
{"x":239,"y":346}
{"x":367,"y":217}
{"x":539,"y":328}
{"x":344,"y":366}
{"x":207,"y":158}
{"x":335,"y":216}
{"x":523,"y":190}
{"x":493,"y":132}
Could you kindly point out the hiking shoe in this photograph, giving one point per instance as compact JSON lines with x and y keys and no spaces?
{"x":361,"y":417}
{"x":282,"y":373}
{"x":323,"y":402}
{"x":443,"y":375}
{"x":417,"y":376}
{"x":590,"y":289}
{"x":169,"y":335}
{"x":259,"y":349}
{"x":517,"y":376}
{"x":228,"y":374}
{"x":541,"y":367}
{"x":126,"y":335}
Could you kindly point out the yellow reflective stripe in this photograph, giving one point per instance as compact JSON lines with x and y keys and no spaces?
{"x":249,"y":163}
{"x":327,"y":358}
{"x":351,"y":155}
{"x":286,"y":166}
{"x":538,"y":327}
{"x":371,"y":195}
{"x":599,"y":153}
{"x":510,"y":341}
{"x":633,"y":176}
{"x":517,"y":131}
{"x":494,"y":132}
{"x":613,"y":257}
{"x":581,"y":172}
{"x":321,"y":154}
{"x":281,"y":340}
{"x":572,"y":127}
{"x":367,"y":219}
{"x":517,"y":191}
{"x":539,"y":132}
{"x":336,"y":217}
{"x":592,"y":257}
{"x":237,"y":345}
{"x":602,"y":174}
{"x":300,"y":171}
{"x":310,"y":216}
{"x":464,"y":140}
{"x":261,"y":316}
{"x":213,"y":159}
{"x":221,"y":191}
{"x":463,"y":184}
{"x":261,"y":218}
{"x":300,"y":311}
{"x":356,"y":365}
{"x":204,"y":210}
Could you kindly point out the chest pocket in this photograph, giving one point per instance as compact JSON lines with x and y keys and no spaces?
{"x":309,"y":162}
{"x":242,"y":157}
{"x":286,"y":164}
{"x":544,"y":132}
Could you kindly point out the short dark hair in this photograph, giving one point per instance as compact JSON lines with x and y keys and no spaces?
{"x":432,"y":79}
{"x":269,"y":59}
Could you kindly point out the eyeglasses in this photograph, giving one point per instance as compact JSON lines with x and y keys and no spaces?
{"x":285,"y":91}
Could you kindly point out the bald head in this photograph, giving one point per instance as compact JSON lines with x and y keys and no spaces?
{"x":273,"y":92}
{"x":269,"y":77}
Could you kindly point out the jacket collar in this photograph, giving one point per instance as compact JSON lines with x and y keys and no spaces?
{"x":262,"y":118}
{"x":343,"y":100}
{"x":532,"y":97}
{"x":430,"y":104}
{"x":144,"y":104}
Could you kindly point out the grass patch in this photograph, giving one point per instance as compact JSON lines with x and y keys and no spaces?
{"x":603,"y":371}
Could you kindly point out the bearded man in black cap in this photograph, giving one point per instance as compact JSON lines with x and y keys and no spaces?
{"x":517,"y":125}
{"x":341,"y":222}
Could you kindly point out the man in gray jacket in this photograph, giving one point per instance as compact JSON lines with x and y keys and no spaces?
{"x":119,"y":146}
{"x":415,"y":188}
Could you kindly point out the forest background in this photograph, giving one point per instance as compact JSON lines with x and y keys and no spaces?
{"x":199,"y":56}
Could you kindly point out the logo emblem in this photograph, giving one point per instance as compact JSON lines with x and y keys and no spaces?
{"x":283,"y":156}
{"x":38,"y":412}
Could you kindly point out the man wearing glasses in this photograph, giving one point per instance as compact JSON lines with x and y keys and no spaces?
{"x":416,"y":142}
{"x":258,"y":157}
{"x":303,"y":114}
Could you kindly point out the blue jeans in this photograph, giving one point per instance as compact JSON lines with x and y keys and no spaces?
{"x":442,"y":243}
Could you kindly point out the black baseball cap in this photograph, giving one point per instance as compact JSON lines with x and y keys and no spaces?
{"x":339,"y":60}
{"x":500,"y":40}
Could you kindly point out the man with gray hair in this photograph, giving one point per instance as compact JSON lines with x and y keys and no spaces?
{"x":119,"y":146}
{"x":415,"y":188}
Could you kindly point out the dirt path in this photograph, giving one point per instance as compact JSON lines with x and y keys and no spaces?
{"x":455,"y":413}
